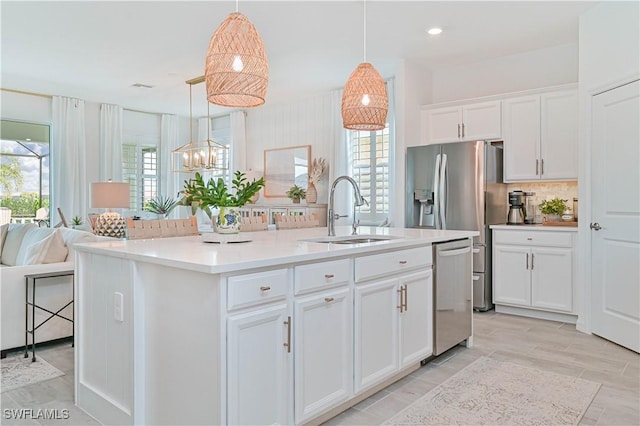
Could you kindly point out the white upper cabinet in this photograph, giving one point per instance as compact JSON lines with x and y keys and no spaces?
{"x":540,"y":135}
{"x":462,"y":123}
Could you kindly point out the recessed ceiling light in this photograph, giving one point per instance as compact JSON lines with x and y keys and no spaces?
{"x":434,"y":31}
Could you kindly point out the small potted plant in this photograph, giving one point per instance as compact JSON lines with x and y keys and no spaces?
{"x":296,"y":194}
{"x":76,"y":222}
{"x":553,"y":209}
{"x":215,"y":193}
{"x":161,"y":205}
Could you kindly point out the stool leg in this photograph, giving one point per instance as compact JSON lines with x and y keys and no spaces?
{"x":33,"y":322}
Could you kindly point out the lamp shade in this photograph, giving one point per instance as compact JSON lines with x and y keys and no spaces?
{"x":110,"y":195}
{"x":236,"y":68}
{"x":365,"y":102}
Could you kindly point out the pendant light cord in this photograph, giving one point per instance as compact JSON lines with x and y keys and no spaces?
{"x":364,"y":36}
{"x":237,"y":6}
{"x":190,"y":113}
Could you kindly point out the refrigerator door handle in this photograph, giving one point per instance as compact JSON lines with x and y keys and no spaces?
{"x":443,"y":193}
{"x":436,"y":194}
{"x":479,"y":185}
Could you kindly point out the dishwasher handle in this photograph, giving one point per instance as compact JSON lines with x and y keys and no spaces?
{"x":454,"y":252}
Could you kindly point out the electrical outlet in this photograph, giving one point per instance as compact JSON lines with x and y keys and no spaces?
{"x":118,"y":306}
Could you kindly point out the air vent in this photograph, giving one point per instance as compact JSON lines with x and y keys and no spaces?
{"x":142,"y":86}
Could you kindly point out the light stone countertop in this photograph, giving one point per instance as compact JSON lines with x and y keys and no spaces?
{"x":537,"y":227}
{"x":266,"y":248}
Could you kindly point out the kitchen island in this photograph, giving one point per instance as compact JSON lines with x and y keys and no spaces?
{"x":285,"y":328}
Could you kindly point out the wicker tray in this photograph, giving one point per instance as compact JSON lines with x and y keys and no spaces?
{"x":573,"y":224}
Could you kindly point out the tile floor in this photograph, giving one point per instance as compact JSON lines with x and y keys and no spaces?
{"x":545,"y":345}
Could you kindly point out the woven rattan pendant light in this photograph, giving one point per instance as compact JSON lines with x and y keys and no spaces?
{"x":365,"y":102}
{"x":236,"y":68}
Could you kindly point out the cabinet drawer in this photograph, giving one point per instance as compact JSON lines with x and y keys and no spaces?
{"x":252,"y":289}
{"x":533,"y":238}
{"x":319,"y":276}
{"x":392,"y":262}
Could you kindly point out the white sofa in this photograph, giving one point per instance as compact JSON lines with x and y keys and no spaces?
{"x":27,"y":249}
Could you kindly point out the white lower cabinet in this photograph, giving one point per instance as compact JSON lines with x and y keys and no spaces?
{"x":393,"y":326}
{"x":323,"y":352}
{"x":533,"y":269}
{"x":258,"y":365}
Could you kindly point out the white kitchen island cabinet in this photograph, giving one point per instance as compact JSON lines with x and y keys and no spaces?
{"x":534,"y":271}
{"x":177,"y":331}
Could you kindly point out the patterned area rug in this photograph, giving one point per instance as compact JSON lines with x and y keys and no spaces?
{"x":490,"y":392}
{"x":18,"y":371}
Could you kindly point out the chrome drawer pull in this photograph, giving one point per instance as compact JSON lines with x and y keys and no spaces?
{"x":329,"y":299}
{"x":328,"y":276}
{"x":403,"y":262}
{"x":265,"y":288}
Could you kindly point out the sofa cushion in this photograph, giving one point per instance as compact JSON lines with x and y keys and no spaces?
{"x":73,"y":236}
{"x":49,"y":250}
{"x":32,"y":236}
{"x":3,"y":234}
{"x":13,"y":242}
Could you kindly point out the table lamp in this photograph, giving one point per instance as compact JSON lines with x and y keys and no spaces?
{"x":110,"y":195}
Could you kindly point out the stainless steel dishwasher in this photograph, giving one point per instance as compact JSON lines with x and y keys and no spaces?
{"x":453,"y":297}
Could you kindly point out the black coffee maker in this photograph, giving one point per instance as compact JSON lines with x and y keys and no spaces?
{"x":516,"y":213}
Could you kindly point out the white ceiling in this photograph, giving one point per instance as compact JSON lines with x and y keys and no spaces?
{"x":97,"y":50}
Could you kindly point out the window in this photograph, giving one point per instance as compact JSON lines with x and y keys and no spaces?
{"x":220,"y":132}
{"x":140,"y":170}
{"x":370,"y":168}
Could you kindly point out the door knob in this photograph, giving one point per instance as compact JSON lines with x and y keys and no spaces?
{"x":595,"y":226}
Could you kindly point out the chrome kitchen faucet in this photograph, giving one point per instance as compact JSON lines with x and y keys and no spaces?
{"x":358,"y":201}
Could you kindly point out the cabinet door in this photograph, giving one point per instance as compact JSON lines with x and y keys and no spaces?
{"x":559,"y":135}
{"x":416,"y":320}
{"x":376,"y":332}
{"x":481,"y":121}
{"x":511,"y":275}
{"x":443,"y":125}
{"x":323,"y":352}
{"x":521,"y":134}
{"x":258,"y":367}
{"x":552,"y":278}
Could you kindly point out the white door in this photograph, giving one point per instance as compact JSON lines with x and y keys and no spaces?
{"x":521,"y":133}
{"x":481,"y":121}
{"x":416,"y":320}
{"x":559,"y":135}
{"x":323,"y":352}
{"x":511,"y":275}
{"x":615,"y":209}
{"x":376,"y":332}
{"x":258,"y":367}
{"x":552,"y":278}
{"x":443,"y":125}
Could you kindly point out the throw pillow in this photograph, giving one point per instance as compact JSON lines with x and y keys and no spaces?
{"x":32,"y":236}
{"x":13,"y":241}
{"x":49,"y":250}
{"x":74,"y":236}
{"x":3,"y":234}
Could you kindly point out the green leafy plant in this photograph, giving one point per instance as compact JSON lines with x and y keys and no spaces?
{"x":161,"y":205}
{"x":296,"y":193}
{"x":215,"y":193}
{"x":555,"y":206}
{"x":76,"y":220}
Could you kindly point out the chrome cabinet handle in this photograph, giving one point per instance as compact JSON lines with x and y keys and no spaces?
{"x":537,"y":167}
{"x":463,"y":130}
{"x":532,"y":257}
{"x":595,"y":226}
{"x":458,"y":130}
{"x":329,"y":299}
{"x":541,"y":167}
{"x":527,"y":260}
{"x":401,"y":306}
{"x":403,"y":262}
{"x":265,"y":288}
{"x":328,"y":276}
{"x":288,"y":343}
{"x":406,"y":308}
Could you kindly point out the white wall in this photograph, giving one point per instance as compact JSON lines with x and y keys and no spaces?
{"x":528,"y":70}
{"x":25,"y":107}
{"x":305,"y":122}
{"x":609,"y":35}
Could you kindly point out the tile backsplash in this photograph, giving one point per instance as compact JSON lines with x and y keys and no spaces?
{"x":548,"y":190}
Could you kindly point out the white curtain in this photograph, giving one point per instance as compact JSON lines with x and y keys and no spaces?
{"x":394,"y":196}
{"x":69,"y":184}
{"x":238,"y":142}
{"x":340,"y":160}
{"x":110,"y":143}
{"x":170,"y":182}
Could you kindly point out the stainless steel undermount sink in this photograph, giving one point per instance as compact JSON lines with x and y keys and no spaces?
{"x":351,"y":239}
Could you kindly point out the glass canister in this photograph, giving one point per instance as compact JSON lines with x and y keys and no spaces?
{"x":529,"y":208}
{"x":575,"y":208}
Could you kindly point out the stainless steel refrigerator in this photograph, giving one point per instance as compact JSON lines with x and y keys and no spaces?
{"x":459,"y":186}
